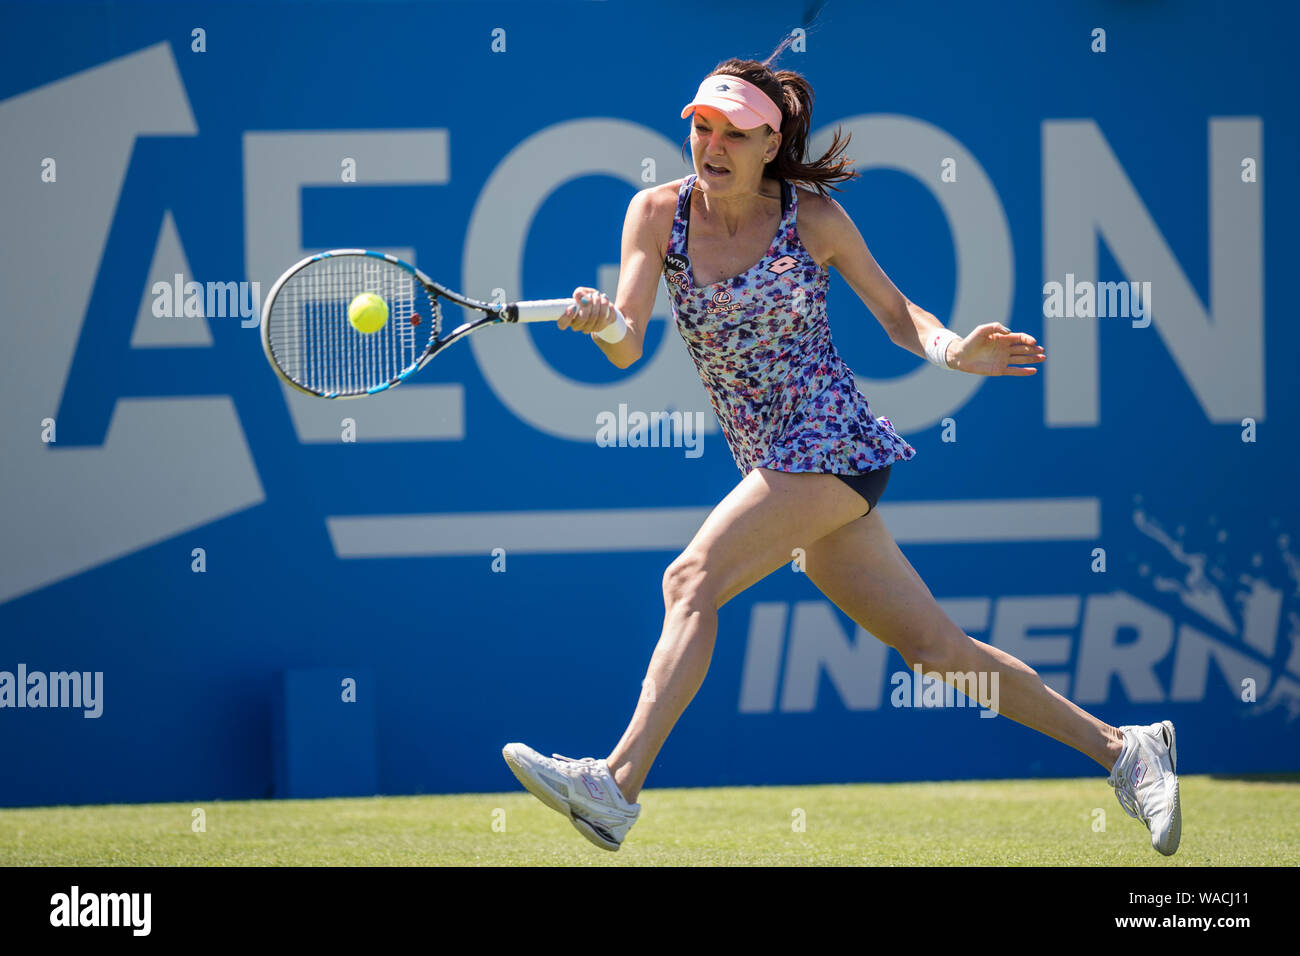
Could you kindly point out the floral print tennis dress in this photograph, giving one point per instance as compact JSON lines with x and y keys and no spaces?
{"x":762,"y":346}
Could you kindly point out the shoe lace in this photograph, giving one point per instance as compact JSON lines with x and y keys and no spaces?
{"x":593,"y":765}
{"x":1127,"y":800}
{"x":1124,"y":792}
{"x":585,"y":762}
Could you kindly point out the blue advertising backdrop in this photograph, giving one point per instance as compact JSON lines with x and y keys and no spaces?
{"x":176,"y":523}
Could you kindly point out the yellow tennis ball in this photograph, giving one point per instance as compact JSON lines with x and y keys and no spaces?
{"x":368,"y":313}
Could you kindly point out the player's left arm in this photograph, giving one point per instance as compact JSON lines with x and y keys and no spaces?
{"x":990,"y":349}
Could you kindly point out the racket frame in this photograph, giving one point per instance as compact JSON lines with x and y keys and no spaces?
{"x":498,"y":313}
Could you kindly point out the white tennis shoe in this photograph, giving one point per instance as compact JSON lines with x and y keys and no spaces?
{"x":1146,"y":782}
{"x":583,"y":790}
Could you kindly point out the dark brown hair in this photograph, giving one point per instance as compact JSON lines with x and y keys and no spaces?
{"x":794,"y":95}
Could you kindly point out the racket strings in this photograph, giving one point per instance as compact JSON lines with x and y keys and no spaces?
{"x":316,"y":346}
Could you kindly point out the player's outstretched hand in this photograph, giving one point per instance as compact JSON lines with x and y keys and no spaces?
{"x":993,"y":349}
{"x":594,"y":311}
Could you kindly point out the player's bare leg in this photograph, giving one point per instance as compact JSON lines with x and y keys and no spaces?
{"x":862,"y":571}
{"x":860,"y":568}
{"x":751,"y":533}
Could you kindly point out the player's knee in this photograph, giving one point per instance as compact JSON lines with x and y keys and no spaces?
{"x":687,"y":581}
{"x":938,"y":647}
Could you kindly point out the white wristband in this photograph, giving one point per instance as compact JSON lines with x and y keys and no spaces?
{"x":936,"y":347}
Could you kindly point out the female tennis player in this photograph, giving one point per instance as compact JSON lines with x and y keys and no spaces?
{"x":815,"y":460}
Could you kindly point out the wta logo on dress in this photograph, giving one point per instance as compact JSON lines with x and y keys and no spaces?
{"x":675,"y":266}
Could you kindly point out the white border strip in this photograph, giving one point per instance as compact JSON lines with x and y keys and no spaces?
{"x":980,"y":522}
{"x":671,"y":529}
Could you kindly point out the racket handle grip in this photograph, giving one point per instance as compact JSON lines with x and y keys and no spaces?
{"x":549,"y":310}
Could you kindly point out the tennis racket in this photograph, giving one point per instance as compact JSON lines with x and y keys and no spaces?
{"x":314,"y":348}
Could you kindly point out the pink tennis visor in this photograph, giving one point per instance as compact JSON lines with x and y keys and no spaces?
{"x":743,"y":103}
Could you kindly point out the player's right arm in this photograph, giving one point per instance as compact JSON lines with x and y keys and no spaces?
{"x":645,"y":230}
